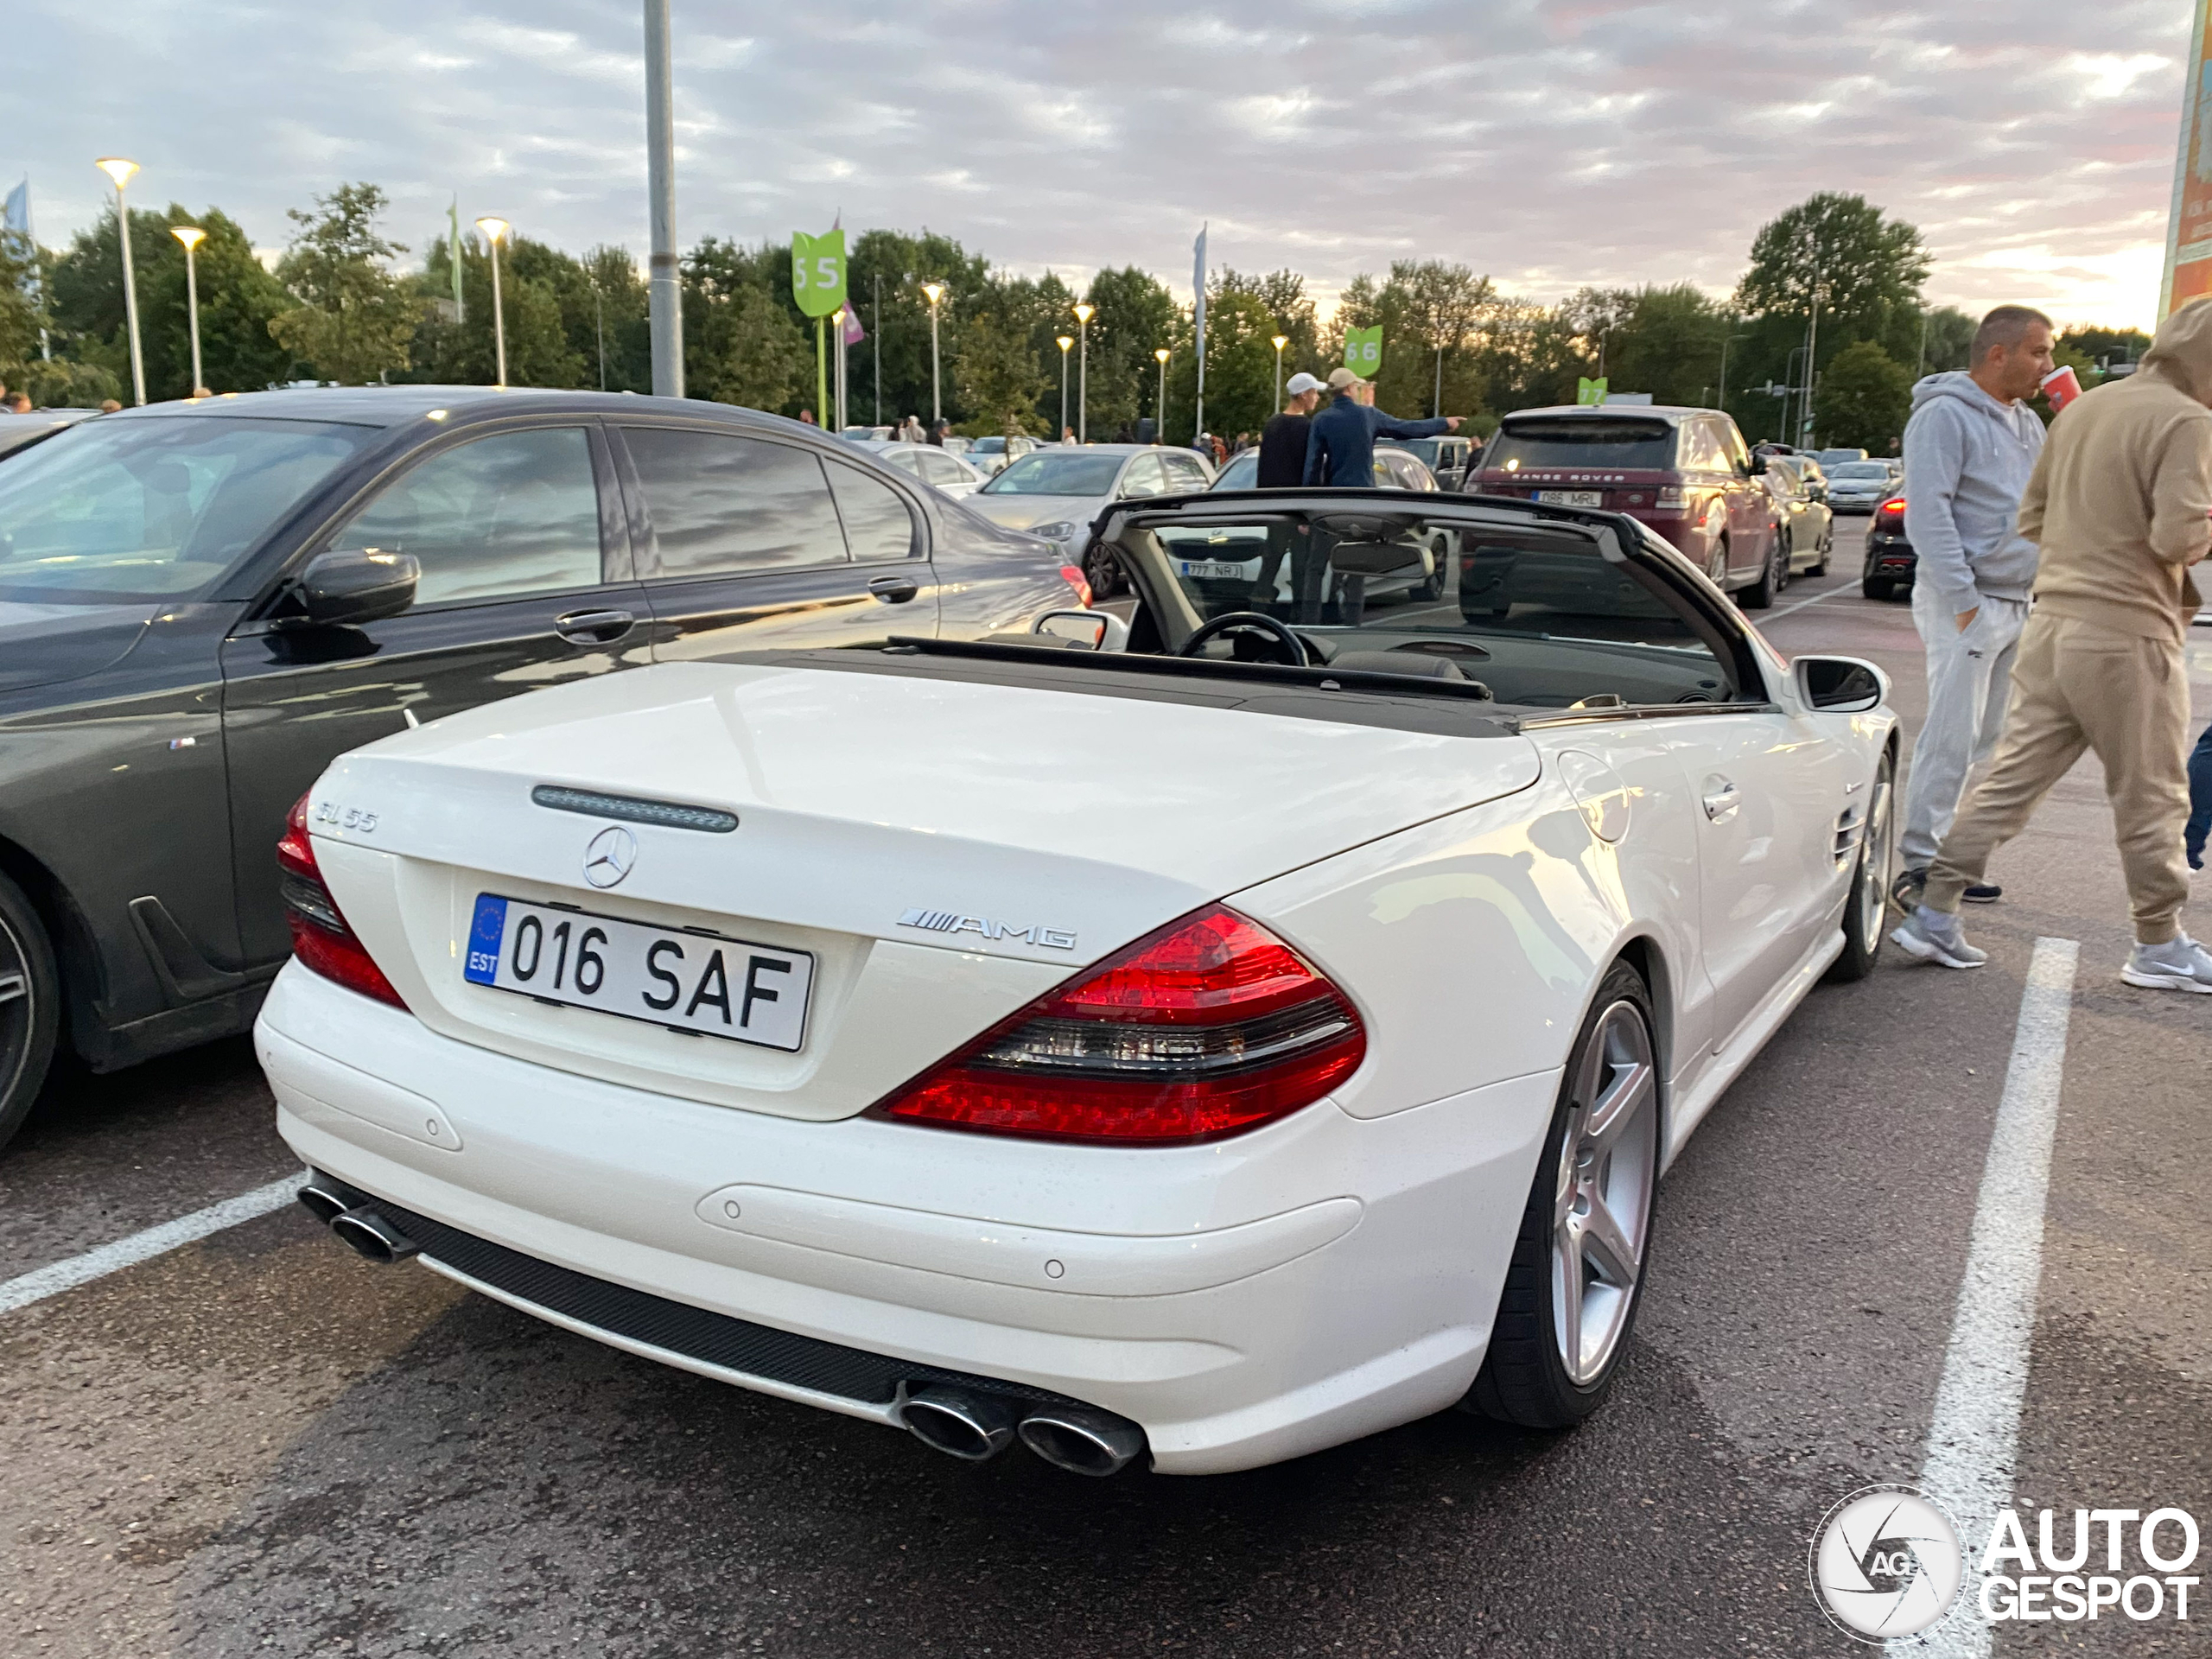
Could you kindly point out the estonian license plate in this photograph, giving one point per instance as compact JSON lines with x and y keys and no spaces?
{"x":691,"y":981}
{"x":1572,"y":498}
{"x":1217,"y":570}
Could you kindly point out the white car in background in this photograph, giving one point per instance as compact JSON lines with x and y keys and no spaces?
{"x":939,"y":468}
{"x":1859,"y":486}
{"x":1059,"y":491}
{"x":1294,"y":1056}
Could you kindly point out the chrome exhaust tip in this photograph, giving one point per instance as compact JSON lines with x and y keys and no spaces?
{"x":327,"y":1199}
{"x":961,"y":1424}
{"x":372,"y":1237}
{"x":1083,"y":1441}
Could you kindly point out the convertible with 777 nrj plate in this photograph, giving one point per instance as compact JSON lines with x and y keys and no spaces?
{"x":1202,"y":1039}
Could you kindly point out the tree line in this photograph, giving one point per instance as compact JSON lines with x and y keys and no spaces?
{"x":346,"y":303}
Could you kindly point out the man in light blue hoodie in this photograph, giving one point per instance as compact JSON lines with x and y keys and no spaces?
{"x":1969,"y":450}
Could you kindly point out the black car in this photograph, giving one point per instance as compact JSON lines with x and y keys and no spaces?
{"x":1890,"y":561}
{"x":201,"y":604}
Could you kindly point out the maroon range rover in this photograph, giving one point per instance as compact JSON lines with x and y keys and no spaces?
{"x":1684,"y":472}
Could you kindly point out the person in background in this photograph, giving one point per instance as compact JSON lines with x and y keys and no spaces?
{"x":806,"y":417}
{"x":939,"y":433}
{"x":2121,"y":503}
{"x":1968,"y":449}
{"x":1340,"y":454}
{"x":19,"y":403}
{"x":909,"y":429}
{"x":1282,"y":467}
{"x":2198,"y":829}
{"x":1067,"y":437}
{"x":109,"y":406}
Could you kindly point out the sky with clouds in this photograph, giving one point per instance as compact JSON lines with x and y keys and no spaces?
{"x":1550,"y":144}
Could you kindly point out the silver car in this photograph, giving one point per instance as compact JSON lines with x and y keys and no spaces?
{"x":939,"y":467}
{"x":1058,"y":491}
{"x":1859,"y":486}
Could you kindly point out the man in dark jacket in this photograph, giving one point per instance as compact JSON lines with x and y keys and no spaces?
{"x":1282,"y":467}
{"x":1340,"y":444}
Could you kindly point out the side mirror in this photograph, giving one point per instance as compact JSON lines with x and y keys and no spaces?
{"x":1100,"y":630}
{"x":350,"y":585}
{"x":1839,"y":685}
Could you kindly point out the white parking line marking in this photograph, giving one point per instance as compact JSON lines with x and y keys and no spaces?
{"x":1976,"y":1434}
{"x":37,"y":1286}
{"x":1802,"y":603}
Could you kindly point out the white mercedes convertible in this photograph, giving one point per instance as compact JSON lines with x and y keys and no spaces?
{"x":1207,"y":1041}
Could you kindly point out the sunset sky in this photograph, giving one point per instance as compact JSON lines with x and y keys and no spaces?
{"x":1551,"y":145}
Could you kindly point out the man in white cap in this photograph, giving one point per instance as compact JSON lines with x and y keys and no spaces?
{"x":1282,"y":467}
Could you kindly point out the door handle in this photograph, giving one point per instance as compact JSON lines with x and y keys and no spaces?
{"x":894,"y":590}
{"x":1721,"y":799}
{"x":594,"y":627}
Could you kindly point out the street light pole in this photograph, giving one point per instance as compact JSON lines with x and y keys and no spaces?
{"x":1161,"y":434}
{"x":935,"y":291}
{"x":494,"y":230}
{"x":1083,"y":311}
{"x":1281,"y":341}
{"x":192,"y":236}
{"x":1726,"y":341}
{"x":1065,"y":341}
{"x":120,"y":170}
{"x":666,"y":301}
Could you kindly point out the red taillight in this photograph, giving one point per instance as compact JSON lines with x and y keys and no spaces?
{"x":1894,"y":507}
{"x":1208,"y":1027}
{"x":1072,"y":575}
{"x":321,"y":939}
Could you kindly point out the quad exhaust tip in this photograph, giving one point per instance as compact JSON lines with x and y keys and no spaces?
{"x":372,"y":1237}
{"x":972,"y":1425}
{"x":327,"y":1199}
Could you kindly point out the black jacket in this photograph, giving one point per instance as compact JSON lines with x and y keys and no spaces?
{"x":1282,"y":452}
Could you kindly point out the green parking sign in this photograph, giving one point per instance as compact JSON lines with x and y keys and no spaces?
{"x":1364,"y":350}
{"x":818,"y":272}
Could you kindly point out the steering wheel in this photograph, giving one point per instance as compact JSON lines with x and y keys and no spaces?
{"x":1291,"y":648}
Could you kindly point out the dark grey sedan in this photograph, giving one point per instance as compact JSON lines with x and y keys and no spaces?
{"x":202,"y":604}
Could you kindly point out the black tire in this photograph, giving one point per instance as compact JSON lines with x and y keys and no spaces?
{"x":1864,"y":912}
{"x":1100,"y":570}
{"x":30,"y":1014}
{"x":1524,"y":1378}
{"x":1875,"y":587}
{"x":1760,"y":594}
{"x":1826,"y":547}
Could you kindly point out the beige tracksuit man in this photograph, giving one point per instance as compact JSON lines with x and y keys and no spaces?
{"x":2118,"y":503}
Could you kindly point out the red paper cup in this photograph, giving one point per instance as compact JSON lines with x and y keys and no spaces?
{"x":2061,"y":387}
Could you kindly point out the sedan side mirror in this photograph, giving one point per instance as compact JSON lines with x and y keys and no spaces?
{"x":1839,"y":685}
{"x":351,"y":585}
{"x":1100,"y":630}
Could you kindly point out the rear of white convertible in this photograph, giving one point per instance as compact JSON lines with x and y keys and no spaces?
{"x":1012,"y":1054}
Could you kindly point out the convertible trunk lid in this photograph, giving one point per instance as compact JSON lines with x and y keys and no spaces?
{"x":941,"y":850}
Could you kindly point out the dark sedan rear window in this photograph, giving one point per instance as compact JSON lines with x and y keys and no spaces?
{"x":1592,"y":443}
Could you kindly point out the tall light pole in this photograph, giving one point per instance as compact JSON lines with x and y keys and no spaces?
{"x":666,"y":304}
{"x":1064,"y":342}
{"x":1083,"y":310}
{"x":1160,"y":409}
{"x":1280,"y":342}
{"x":934,"y":292}
{"x":495,"y":230}
{"x":1726,"y":340}
{"x":120,"y":170}
{"x":192,"y":236}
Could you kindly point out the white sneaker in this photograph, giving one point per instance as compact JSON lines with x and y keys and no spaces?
{"x":2180,"y":964}
{"x":1936,"y":936}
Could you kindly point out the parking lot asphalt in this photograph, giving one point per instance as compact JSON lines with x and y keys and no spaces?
{"x":258,"y":1444}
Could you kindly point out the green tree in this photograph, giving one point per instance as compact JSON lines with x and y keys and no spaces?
{"x":885,"y":271}
{"x":1946,"y":339}
{"x":741,"y":342}
{"x":2100,"y":348}
{"x":1863,"y":399}
{"x":539,"y":288}
{"x":356,"y":319}
{"x":1136,"y":316}
{"x":1863,"y":268}
{"x":62,"y":383}
{"x":1439,"y":308}
{"x":19,"y":313}
{"x":995,"y":375}
{"x":1240,"y":365}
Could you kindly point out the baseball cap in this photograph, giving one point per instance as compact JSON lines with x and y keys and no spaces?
{"x":1342,"y":379}
{"x":1300,"y":383}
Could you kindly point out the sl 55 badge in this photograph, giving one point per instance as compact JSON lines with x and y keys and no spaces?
{"x":345,"y":817}
{"x":951,"y":921}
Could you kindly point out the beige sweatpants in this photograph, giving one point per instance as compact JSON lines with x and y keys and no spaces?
{"x":2077,"y":686}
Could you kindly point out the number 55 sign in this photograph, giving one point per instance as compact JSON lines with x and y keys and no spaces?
{"x":818,"y":272}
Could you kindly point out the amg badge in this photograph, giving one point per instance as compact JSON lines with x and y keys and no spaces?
{"x":951,"y":921}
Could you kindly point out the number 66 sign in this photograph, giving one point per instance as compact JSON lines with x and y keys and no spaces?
{"x":818,"y":272}
{"x":1364,"y":350}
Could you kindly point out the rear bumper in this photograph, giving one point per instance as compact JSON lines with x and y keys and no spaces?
{"x":1890,"y":560}
{"x":1244,"y":1302}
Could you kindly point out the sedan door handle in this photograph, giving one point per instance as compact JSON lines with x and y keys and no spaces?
{"x":1721,"y":799}
{"x":894,"y":590}
{"x":594,"y":627}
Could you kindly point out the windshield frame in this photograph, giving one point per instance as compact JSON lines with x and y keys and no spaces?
{"x":364,"y":443}
{"x":1042,"y":459}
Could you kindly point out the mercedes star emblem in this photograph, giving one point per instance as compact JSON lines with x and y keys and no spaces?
{"x":609,"y":857}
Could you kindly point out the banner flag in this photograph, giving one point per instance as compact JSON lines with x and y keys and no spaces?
{"x":2188,"y":227}
{"x":1364,"y":350}
{"x":1198,"y":323}
{"x":453,"y":258}
{"x":1590,"y":391}
{"x":818,"y":272}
